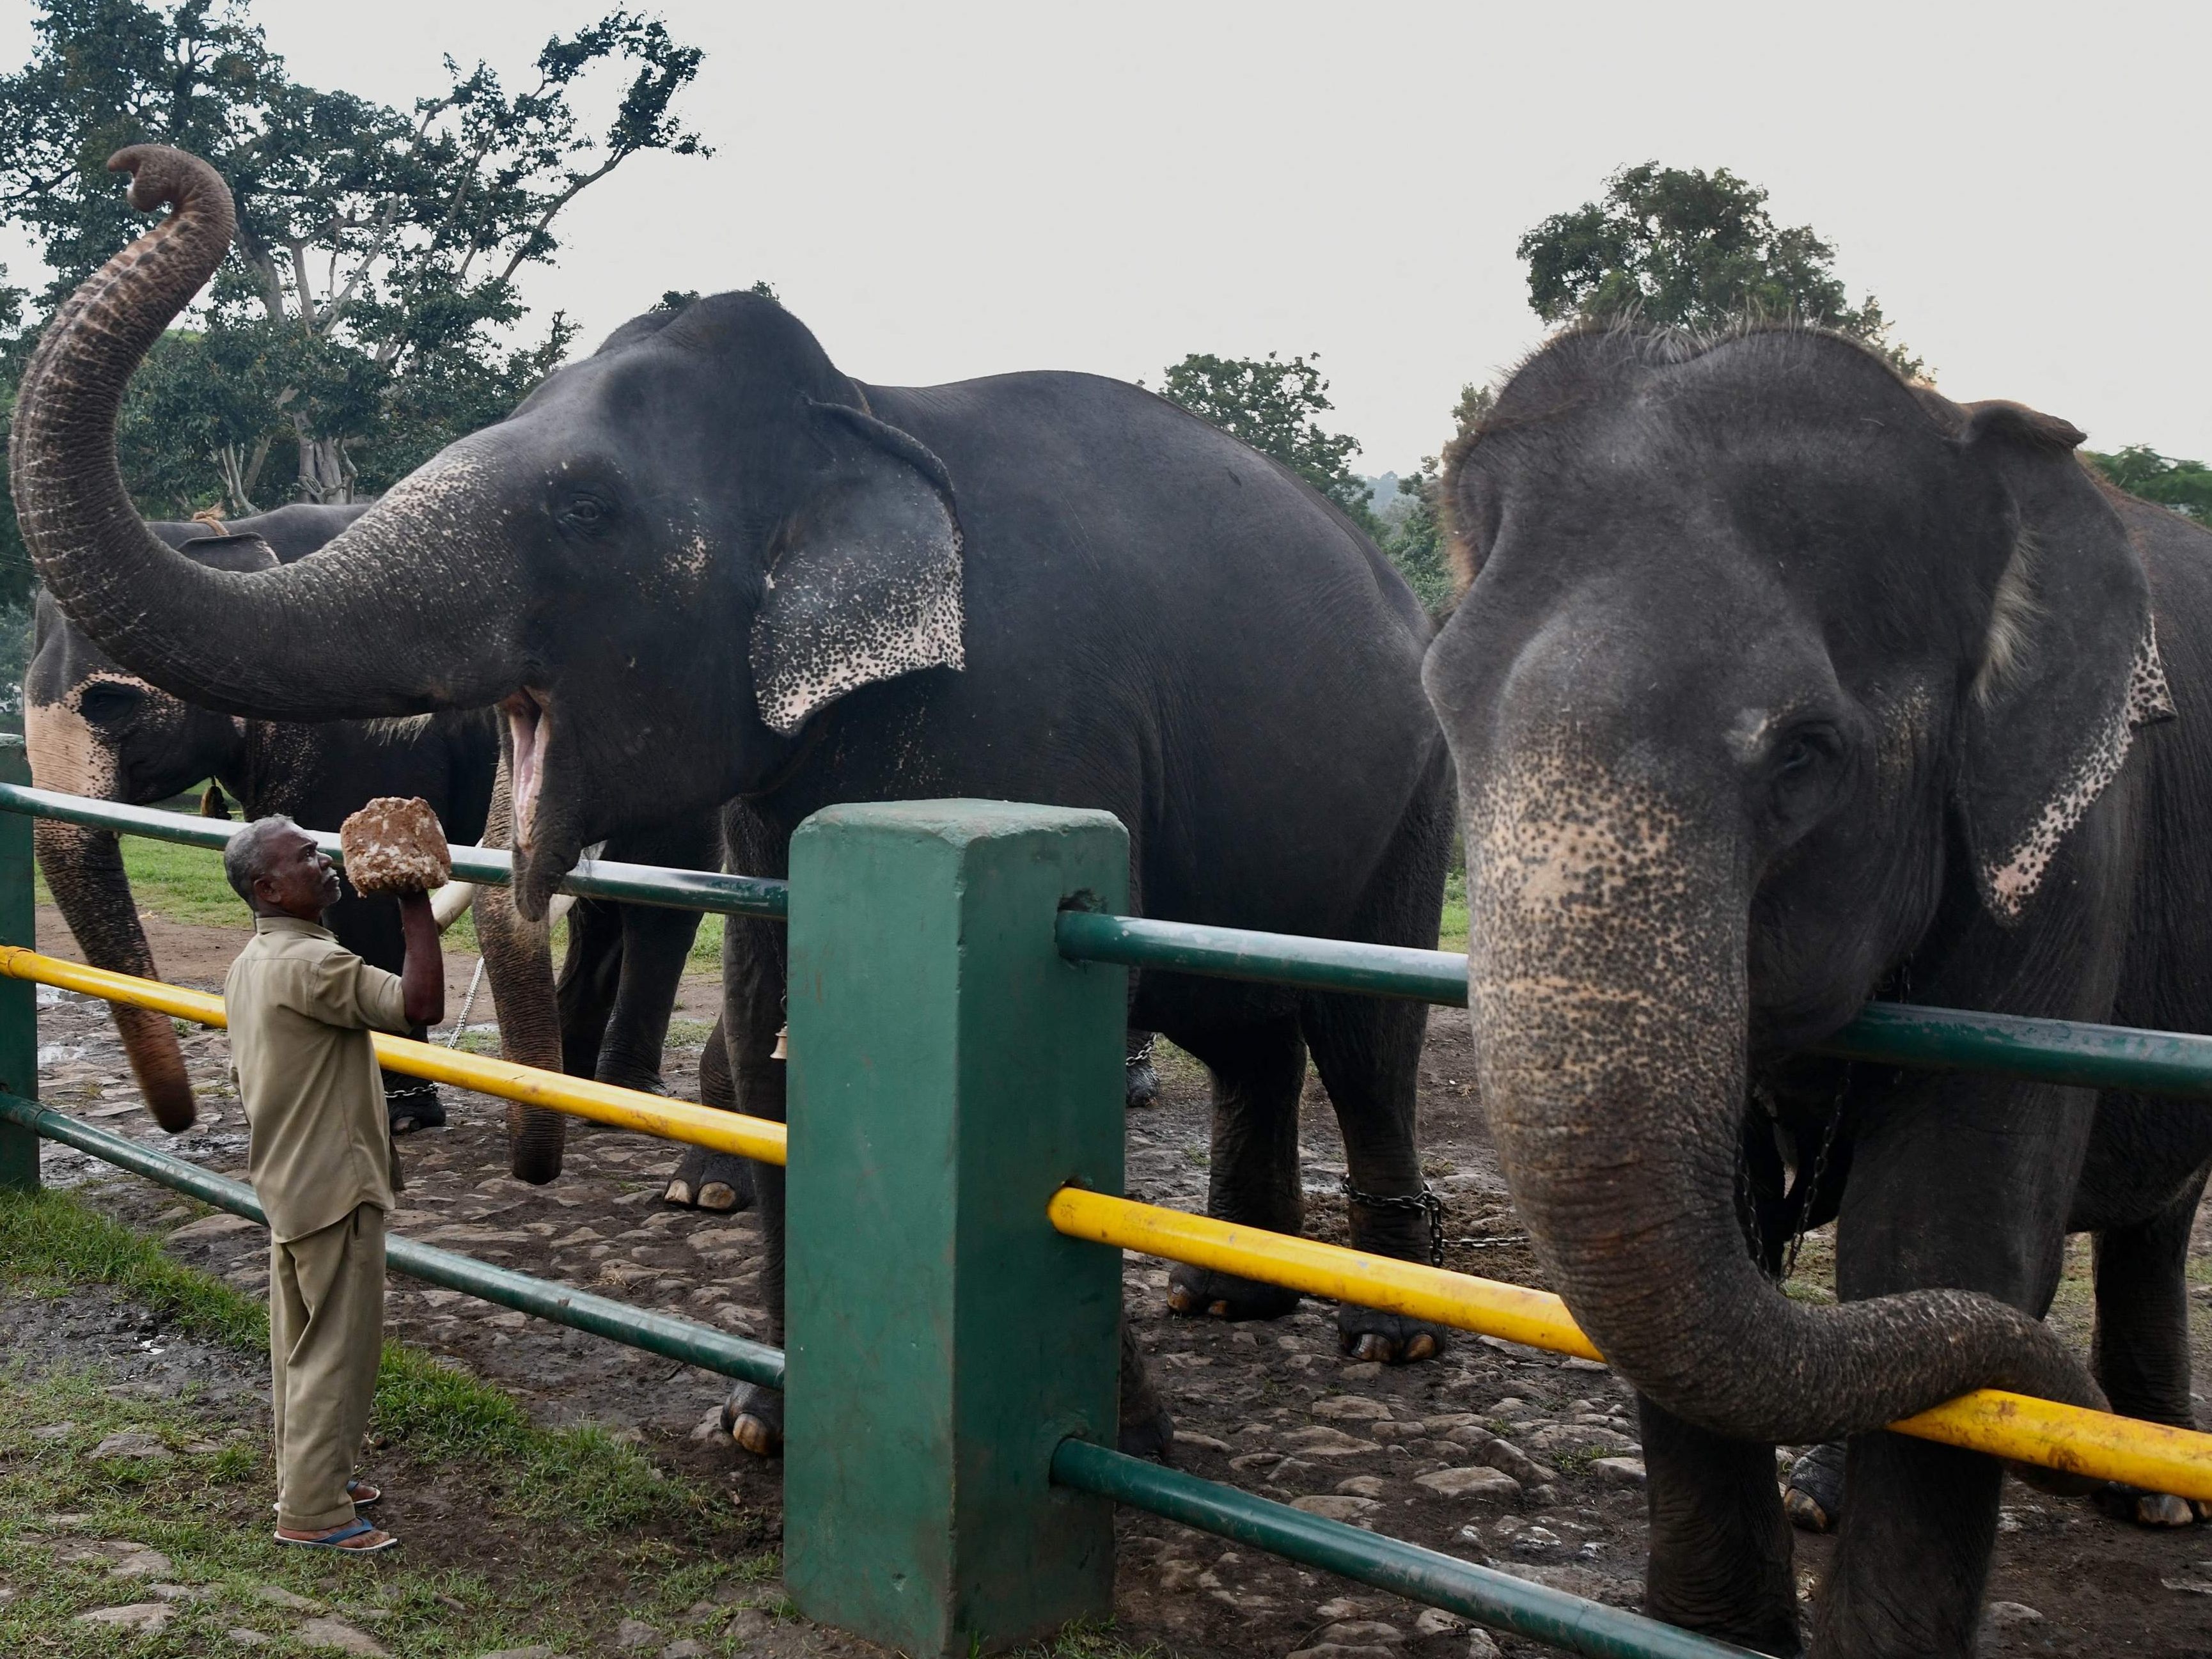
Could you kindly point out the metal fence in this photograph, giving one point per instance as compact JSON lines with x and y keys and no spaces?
{"x":956,"y":1001}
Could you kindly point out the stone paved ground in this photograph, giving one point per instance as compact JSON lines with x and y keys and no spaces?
{"x":1497,"y":1454}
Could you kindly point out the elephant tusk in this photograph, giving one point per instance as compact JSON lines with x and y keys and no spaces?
{"x":449,"y":902}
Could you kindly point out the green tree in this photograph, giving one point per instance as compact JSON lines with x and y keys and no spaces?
{"x":1689,"y":249}
{"x":1414,"y":543}
{"x":2185,"y":486}
{"x":366,"y":313}
{"x":1272,"y":404}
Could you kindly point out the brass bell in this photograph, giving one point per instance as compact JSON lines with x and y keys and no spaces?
{"x":783,"y":1043}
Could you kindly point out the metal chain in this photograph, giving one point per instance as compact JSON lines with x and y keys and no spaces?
{"x":1749,"y":1200}
{"x":1798,"y":1224}
{"x":1426,"y":1201}
{"x":461,"y":1023}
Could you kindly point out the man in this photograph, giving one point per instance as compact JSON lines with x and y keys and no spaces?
{"x":301,"y":1007}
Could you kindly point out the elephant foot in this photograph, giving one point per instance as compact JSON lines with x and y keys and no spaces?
{"x":1394,"y":1339}
{"x":718,"y":1181}
{"x":1192,"y":1292}
{"x":1150,"y":1438}
{"x":2148,"y":1508}
{"x":1140,"y":1079}
{"x":415,"y":1107}
{"x":753,"y":1416}
{"x":1814,"y":1500}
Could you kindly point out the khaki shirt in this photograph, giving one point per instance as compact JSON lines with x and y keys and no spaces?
{"x":301,"y":1007}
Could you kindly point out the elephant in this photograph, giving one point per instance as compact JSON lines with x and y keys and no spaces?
{"x":92,"y":728}
{"x":702,"y":565}
{"x":1779,"y":683}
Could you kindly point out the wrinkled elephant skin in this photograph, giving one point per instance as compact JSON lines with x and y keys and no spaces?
{"x":1780,"y":685}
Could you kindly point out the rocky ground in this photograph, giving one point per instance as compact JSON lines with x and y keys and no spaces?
{"x":1497,"y":1453}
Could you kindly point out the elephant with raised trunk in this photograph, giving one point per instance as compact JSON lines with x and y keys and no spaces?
{"x":1780,"y":684}
{"x":703,"y":564}
{"x":93,"y":728}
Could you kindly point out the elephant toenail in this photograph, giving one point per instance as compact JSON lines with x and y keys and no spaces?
{"x":679,"y":1192}
{"x":1423,"y":1347}
{"x":716,"y":1196}
{"x":1218,"y":1310}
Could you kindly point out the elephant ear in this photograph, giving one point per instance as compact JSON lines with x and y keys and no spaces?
{"x":2070,"y":666}
{"x":864,"y":581}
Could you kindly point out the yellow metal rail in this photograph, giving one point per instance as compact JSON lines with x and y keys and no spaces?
{"x":602,"y":1103}
{"x":2009,"y":1425}
{"x":2097,"y":1444}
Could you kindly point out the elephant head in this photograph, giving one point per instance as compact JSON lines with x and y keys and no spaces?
{"x":663,"y":565}
{"x":1756,"y":636}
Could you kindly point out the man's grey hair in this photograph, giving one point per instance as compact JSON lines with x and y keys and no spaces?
{"x":246,"y":854}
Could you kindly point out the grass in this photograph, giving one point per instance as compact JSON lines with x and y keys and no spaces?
{"x":552,"y":1498}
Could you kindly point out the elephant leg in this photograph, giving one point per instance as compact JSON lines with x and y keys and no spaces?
{"x":1720,"y":1550}
{"x":591,"y":969}
{"x":1368,"y":1052}
{"x":1140,"y":1079}
{"x":1253,"y":1177}
{"x":721,"y":1181}
{"x":656,"y":943}
{"x":1961,"y":1182}
{"x":2141,"y":1350}
{"x":754,"y":960}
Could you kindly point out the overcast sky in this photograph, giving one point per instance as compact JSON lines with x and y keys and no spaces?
{"x":954,"y":189}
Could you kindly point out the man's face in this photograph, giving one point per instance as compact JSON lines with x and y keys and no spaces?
{"x":298,"y":879}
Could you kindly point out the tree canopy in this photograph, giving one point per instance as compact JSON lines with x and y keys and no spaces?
{"x":2185,"y":486}
{"x":1413,"y":537}
{"x":369,"y":311}
{"x":1689,"y":249}
{"x":1273,"y":403}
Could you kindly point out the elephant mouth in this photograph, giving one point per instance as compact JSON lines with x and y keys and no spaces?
{"x":526,"y":716}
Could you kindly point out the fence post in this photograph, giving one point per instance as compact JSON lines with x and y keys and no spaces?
{"x":949,"y":1071}
{"x":19,"y":998}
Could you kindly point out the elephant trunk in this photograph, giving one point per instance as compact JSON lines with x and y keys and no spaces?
{"x":1608,"y":987}
{"x":84,"y":868}
{"x":519,"y":962}
{"x":398,"y":614}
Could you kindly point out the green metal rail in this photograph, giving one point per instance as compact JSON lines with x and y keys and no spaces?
{"x":917,"y":921}
{"x":1887,"y":1033}
{"x":635,"y":883}
{"x":638,"y":1327}
{"x":1428,"y":1577}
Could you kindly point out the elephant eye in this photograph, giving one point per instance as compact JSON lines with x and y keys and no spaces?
{"x":586,"y":514}
{"x":106,"y":699}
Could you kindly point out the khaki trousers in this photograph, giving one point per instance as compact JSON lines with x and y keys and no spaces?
{"x":325,"y":1336}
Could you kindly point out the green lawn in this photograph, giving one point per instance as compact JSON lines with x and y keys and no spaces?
{"x":553,"y":1495}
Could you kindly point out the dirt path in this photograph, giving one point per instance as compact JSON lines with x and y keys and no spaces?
{"x":1272,"y":1408}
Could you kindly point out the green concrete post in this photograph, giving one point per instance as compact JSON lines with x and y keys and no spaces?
{"x":19,"y":998}
{"x":949,"y":1072}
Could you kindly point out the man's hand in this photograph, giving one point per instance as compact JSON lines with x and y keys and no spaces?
{"x":396,"y":846}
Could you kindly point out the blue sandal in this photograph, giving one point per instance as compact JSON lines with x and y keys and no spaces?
{"x":351,"y":1538}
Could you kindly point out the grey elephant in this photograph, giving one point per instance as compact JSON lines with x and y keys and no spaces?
{"x":93,"y":728}
{"x":1781,"y":684}
{"x":703,"y":565}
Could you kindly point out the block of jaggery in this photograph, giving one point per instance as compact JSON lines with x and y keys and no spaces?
{"x":395,"y":845}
